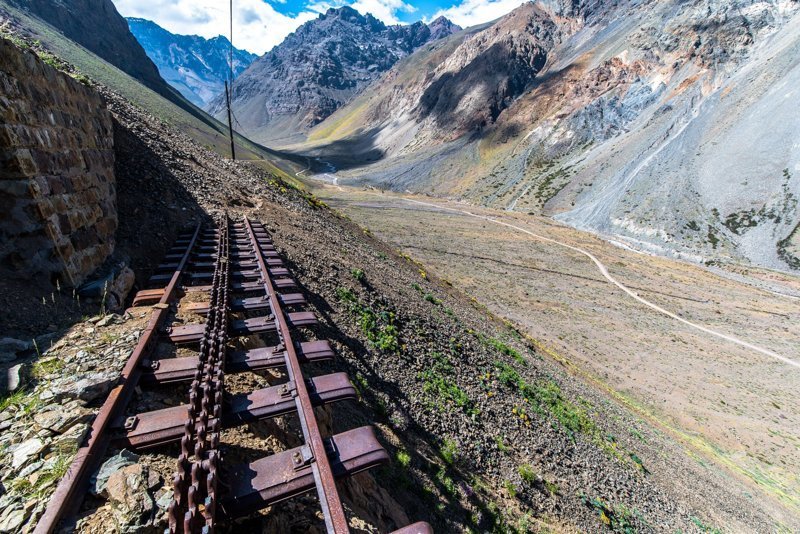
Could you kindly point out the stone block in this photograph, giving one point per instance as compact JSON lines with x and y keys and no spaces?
{"x":8,"y":136}
{"x":45,"y":208}
{"x":17,"y":162}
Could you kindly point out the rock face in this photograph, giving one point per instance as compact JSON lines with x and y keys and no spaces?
{"x":195,"y":66}
{"x":58,"y":200}
{"x":98,"y":26}
{"x":318,"y":68}
{"x":667,"y":125}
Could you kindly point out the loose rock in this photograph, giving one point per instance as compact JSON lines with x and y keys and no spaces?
{"x":131,"y":502}
{"x":25,"y":451}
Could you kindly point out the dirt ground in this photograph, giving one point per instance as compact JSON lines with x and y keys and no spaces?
{"x":730,"y":405}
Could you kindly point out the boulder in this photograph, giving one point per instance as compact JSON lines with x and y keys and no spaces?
{"x":119,"y":461}
{"x":131,"y":502}
{"x":14,"y":378}
{"x":87,"y":389}
{"x":13,"y":519}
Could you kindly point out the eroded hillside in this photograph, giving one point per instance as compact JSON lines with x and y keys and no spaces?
{"x":668,"y":125}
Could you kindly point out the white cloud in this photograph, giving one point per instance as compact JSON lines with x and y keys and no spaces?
{"x":257,"y":26}
{"x":384,"y":10}
{"x":472,"y":12}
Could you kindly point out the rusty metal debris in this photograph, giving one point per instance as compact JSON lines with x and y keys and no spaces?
{"x":236,"y":265}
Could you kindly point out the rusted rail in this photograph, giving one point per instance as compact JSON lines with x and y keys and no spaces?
{"x":65,"y":499}
{"x":315,"y":454}
{"x":237,"y":266}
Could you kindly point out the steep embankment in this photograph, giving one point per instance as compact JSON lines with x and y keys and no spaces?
{"x":97,"y":26}
{"x":195,"y":66}
{"x":317,"y":69}
{"x":666,"y":124}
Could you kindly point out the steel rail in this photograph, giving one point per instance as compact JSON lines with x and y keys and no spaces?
{"x":64,"y":502}
{"x":332,"y":509}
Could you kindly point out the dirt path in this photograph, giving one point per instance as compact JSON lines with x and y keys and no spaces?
{"x":604,"y":271}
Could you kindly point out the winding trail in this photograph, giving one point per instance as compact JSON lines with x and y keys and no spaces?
{"x":604,"y":271}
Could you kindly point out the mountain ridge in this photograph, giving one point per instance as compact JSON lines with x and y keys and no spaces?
{"x":318,"y":68}
{"x":194,"y":65}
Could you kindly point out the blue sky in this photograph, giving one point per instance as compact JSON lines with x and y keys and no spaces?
{"x":259,"y":25}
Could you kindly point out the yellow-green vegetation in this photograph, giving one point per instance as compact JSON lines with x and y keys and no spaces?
{"x":54,"y":470}
{"x":502,"y":348}
{"x":449,"y":451}
{"x":358,"y":274}
{"x":430,"y":297}
{"x":707,"y":529}
{"x":377,"y":325}
{"x":618,"y":517}
{"x":510,"y":488}
{"x":546,"y":397}
{"x":526,"y":473}
{"x":438,"y":382}
{"x":47,"y":366}
{"x":403,"y":458}
{"x":22,"y":400}
{"x":501,"y":444}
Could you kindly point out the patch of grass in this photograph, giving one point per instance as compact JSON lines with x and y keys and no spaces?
{"x":358,"y":274}
{"x":108,"y":337}
{"x":47,"y":477}
{"x":551,"y":487}
{"x":80,"y":78}
{"x":545,"y":396}
{"x":22,"y":399}
{"x":618,"y":518}
{"x":705,"y":528}
{"x":502,"y":348}
{"x":510,"y":488}
{"x":377,"y":325}
{"x":432,"y":299}
{"x":446,"y":482}
{"x":638,"y":462}
{"x":438,"y":382}
{"x":501,"y":445}
{"x":360,"y":384}
{"x":46,"y":367}
{"x":449,"y":451}
{"x":527,"y":474}
{"x":403,"y":458}
{"x":712,"y":237}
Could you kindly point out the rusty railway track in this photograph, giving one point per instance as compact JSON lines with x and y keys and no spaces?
{"x":236,"y":265}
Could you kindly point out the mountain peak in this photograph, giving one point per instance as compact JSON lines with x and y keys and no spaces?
{"x":322,"y":66}
{"x":441,"y":26}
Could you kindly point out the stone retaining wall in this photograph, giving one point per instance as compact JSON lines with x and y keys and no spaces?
{"x":58,"y":210}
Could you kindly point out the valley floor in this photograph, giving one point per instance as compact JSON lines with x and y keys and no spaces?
{"x":728,"y":392}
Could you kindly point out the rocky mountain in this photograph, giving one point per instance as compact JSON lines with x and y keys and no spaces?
{"x":667,"y":126}
{"x":319,"y":68}
{"x":195,"y":66}
{"x":97,"y":26}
